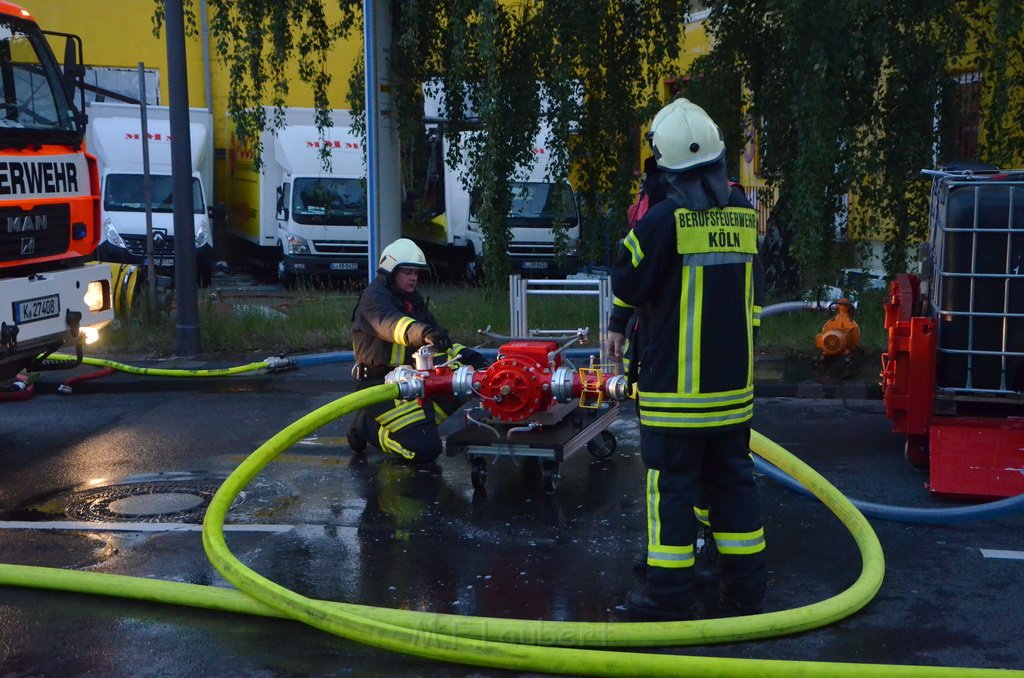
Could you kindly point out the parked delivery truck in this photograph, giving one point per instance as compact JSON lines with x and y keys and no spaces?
{"x":543,"y":220}
{"x":115,"y":138}
{"x":295,"y":216}
{"x":53,"y":293}
{"x":543,"y":212}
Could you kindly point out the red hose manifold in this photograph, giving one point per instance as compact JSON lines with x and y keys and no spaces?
{"x":517,"y":385}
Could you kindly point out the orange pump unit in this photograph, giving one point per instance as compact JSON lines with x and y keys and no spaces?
{"x":840,"y":335}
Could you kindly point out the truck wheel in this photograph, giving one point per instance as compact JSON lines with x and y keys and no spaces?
{"x":551,"y":476}
{"x":473,"y":269}
{"x":603,"y":446}
{"x":916,"y":452}
{"x":479,"y":473}
{"x":286,"y":279}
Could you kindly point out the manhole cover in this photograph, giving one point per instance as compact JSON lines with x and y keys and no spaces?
{"x":179,"y":502}
{"x":156,"y":504}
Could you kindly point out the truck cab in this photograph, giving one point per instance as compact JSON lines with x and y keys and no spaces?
{"x":321,"y":216}
{"x":302,"y":213}
{"x":53,"y":294}
{"x":543,"y":220}
{"x":115,"y":137}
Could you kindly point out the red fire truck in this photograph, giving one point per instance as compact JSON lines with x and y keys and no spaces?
{"x":51,"y":292}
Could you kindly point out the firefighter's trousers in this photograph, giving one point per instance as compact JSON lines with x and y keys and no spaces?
{"x":679,"y":466}
{"x":406,"y":429}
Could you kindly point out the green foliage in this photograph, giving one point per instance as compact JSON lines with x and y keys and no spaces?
{"x":506,"y":66}
{"x":258,"y":40}
{"x":503,"y":66}
{"x":847,"y":100}
{"x":844,"y":97}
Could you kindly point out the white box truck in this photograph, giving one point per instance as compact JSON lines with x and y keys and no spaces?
{"x":541,"y":208}
{"x":114,"y":136}
{"x":453,"y":238}
{"x":294,"y":216}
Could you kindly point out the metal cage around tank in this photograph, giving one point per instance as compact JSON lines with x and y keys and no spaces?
{"x":978,"y":283}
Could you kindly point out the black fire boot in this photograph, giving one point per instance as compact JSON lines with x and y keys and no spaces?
{"x":643,"y":606}
{"x":705,"y":568}
{"x":356,"y":439}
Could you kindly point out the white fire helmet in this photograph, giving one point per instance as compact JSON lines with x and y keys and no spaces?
{"x":402,"y":252}
{"x":683,"y":136}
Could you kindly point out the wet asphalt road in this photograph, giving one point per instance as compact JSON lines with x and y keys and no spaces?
{"x":384,"y":534}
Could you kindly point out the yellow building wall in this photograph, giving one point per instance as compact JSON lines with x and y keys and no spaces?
{"x":119,"y":33}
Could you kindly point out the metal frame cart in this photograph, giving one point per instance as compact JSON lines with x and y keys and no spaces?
{"x":506,"y":421}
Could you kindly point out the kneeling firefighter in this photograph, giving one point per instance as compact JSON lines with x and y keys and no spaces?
{"x":391,"y":321}
{"x":690,"y":267}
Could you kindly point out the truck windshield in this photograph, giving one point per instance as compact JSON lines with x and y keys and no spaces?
{"x":32,"y":96}
{"x":537,"y":204}
{"x":124,"y":193}
{"x":329,"y":202}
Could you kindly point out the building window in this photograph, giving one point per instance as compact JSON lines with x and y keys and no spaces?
{"x":966,"y":116}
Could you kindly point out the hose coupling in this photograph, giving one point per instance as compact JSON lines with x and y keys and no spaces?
{"x":462,"y":382}
{"x":275,"y":364}
{"x":617,"y":387}
{"x":561,"y":384}
{"x":409,"y":381}
{"x":424,"y":358}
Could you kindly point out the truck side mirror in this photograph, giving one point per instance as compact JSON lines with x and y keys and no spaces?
{"x":71,"y":68}
{"x":73,"y":73}
{"x":218,"y":212}
{"x":283,"y":193}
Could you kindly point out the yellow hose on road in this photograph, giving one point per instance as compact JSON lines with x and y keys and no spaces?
{"x":166,"y":372}
{"x":509,"y":644}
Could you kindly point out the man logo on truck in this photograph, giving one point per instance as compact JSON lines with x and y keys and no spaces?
{"x":38,"y":177}
{"x":28,"y":223}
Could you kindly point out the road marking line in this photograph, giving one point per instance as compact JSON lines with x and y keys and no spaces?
{"x":143,"y":527}
{"x":998,"y":553}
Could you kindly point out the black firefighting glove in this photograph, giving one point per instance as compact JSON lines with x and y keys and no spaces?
{"x":438,"y":338}
{"x":468,"y":356}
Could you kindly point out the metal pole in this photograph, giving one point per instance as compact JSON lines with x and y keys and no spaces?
{"x":370,"y":85}
{"x":147,"y":192}
{"x":383,"y":153}
{"x":187,"y":320}
{"x":207,"y":84}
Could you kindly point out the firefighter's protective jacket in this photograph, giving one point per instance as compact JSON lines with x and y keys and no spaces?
{"x":388,"y":327}
{"x":693,"y":274}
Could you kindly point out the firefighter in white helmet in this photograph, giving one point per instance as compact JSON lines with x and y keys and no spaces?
{"x":690,"y":269}
{"x":391,"y":321}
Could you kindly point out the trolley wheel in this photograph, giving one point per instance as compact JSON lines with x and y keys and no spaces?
{"x":479,"y":472}
{"x":604,"y":445}
{"x":551,"y":476}
{"x":915,"y":451}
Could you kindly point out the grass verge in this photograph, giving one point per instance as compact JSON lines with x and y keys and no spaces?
{"x":312,"y":321}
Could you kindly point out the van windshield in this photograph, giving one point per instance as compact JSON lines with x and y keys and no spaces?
{"x":537,"y":204}
{"x":329,"y":201}
{"x":124,"y":193}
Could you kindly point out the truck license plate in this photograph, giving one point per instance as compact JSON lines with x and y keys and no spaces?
{"x":39,"y":308}
{"x":165,"y":262}
{"x":344,"y":266}
{"x":535,"y":264}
